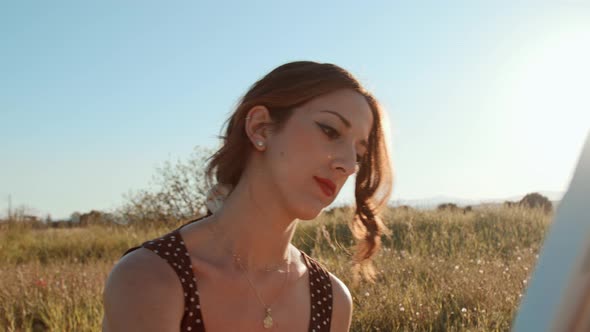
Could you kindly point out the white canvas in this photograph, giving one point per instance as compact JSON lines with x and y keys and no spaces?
{"x":558,"y":296}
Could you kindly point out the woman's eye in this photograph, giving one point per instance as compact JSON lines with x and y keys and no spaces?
{"x":329,"y":131}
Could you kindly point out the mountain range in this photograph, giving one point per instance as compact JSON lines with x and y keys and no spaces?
{"x":432,"y":202}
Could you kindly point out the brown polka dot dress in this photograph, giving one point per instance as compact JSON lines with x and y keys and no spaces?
{"x":172,"y":249}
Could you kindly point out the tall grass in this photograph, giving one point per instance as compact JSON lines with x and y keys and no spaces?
{"x":437,"y":271}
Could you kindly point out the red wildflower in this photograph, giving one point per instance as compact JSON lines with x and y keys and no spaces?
{"x":40,"y":283}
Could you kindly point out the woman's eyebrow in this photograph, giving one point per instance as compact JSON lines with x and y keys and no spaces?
{"x":346,"y":123}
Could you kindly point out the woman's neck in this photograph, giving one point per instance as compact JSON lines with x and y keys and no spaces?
{"x":252,"y":225}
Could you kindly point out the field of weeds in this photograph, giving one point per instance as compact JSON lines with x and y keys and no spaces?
{"x":437,"y":271}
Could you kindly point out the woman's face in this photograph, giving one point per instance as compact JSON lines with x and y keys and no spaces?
{"x":316,"y":151}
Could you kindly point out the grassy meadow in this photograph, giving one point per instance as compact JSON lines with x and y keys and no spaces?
{"x":437,"y":270}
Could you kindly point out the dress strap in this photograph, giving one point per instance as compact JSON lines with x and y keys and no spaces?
{"x":320,"y":288}
{"x":172,"y":249}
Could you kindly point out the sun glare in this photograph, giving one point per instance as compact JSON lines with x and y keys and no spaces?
{"x":551,"y":89}
{"x":545,"y":102}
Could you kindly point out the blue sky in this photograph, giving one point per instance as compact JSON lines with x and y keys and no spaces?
{"x":485,"y":99}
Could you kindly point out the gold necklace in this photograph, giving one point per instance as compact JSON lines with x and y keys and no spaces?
{"x":267,"y":322}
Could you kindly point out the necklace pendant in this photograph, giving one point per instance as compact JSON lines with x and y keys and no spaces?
{"x":267,"y":319}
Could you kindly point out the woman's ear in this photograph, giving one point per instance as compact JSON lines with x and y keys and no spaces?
{"x":257,"y":126}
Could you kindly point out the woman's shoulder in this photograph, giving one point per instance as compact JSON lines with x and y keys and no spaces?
{"x":143,"y":262}
{"x":341,"y":297}
{"x":342,"y":308}
{"x":139,"y":288}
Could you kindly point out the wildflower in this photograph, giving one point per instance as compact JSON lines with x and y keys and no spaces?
{"x":367,"y":294}
{"x":456,"y":267}
{"x":524,"y":281}
{"x":464,"y":310}
{"x":480,"y":271}
{"x":40,"y":283}
{"x":402,"y":309}
{"x":518,"y":258}
{"x":417,"y":313}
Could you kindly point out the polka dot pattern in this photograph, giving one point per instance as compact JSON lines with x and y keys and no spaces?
{"x":172,"y":249}
{"x":320,"y":289}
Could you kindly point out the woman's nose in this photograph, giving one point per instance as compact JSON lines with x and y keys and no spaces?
{"x":345,"y":163}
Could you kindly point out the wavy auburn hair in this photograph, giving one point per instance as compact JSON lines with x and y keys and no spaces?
{"x":280,"y":91}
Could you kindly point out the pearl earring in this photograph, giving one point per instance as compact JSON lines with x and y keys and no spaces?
{"x":259,"y":144}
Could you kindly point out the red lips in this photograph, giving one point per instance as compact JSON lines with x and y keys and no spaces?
{"x":328,"y":187}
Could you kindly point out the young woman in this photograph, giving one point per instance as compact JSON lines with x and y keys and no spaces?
{"x":290,"y":145}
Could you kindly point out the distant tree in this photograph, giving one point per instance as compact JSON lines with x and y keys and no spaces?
{"x":536,"y":200}
{"x":510,"y":204}
{"x":178,"y":192}
{"x":448,"y":207}
{"x":92,"y":218}
{"x":75,"y":217}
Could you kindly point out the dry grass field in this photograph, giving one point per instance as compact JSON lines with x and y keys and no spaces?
{"x":437,"y":271}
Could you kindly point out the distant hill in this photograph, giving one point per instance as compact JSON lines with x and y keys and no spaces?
{"x":433,"y":202}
